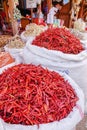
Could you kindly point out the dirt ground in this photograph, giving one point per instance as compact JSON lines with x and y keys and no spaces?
{"x":83,"y":124}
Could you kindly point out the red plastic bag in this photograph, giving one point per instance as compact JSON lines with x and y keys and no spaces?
{"x":5,"y":59}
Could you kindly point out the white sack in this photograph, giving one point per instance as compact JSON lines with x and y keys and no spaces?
{"x":7,"y":66}
{"x":84,"y":42}
{"x":15,"y":53}
{"x":26,"y":38}
{"x":67,"y":123}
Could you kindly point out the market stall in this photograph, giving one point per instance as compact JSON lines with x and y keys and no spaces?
{"x":43,"y":82}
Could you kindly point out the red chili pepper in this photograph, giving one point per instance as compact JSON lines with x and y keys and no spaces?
{"x":31,"y":95}
{"x":59,"y":39}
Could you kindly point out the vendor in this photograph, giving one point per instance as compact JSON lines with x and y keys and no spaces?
{"x":2,"y":18}
{"x":37,"y":11}
{"x":52,"y":12}
{"x":35,"y":5}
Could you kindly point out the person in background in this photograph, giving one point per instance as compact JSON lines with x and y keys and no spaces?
{"x":44,"y":9}
{"x":2,"y":20}
{"x":2,"y":13}
{"x":52,"y":12}
{"x":37,"y":11}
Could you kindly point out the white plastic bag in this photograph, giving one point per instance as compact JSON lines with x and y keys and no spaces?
{"x":67,"y":123}
{"x":74,"y":65}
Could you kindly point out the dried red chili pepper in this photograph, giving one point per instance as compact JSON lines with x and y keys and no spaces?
{"x":59,"y":39}
{"x":31,"y":95}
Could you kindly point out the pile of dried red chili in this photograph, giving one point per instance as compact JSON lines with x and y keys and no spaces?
{"x":59,"y":39}
{"x":31,"y":95}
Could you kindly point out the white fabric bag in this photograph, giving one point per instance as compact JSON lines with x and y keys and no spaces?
{"x":26,"y":38}
{"x":15,"y":53}
{"x":7,"y":66}
{"x":67,"y":123}
{"x":74,"y":65}
{"x":84,"y":42}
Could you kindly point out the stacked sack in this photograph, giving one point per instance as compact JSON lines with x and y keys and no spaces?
{"x":58,"y":49}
